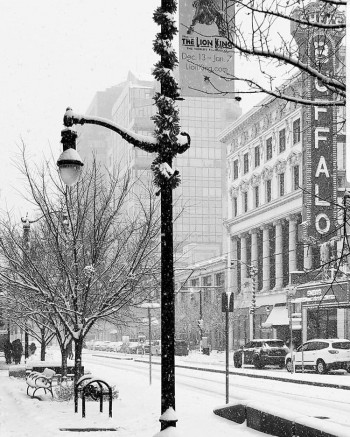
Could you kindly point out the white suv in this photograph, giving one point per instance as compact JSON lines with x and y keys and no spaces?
{"x":321,"y":355}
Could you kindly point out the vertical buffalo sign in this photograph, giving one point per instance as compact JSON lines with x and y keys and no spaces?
{"x":323,"y":146}
{"x":206,"y":63}
{"x":319,"y":50}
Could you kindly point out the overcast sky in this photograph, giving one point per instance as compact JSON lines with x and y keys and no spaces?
{"x":59,"y":53}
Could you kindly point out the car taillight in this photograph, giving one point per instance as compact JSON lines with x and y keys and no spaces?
{"x":332,"y":351}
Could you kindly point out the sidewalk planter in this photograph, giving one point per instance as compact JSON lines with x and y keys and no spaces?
{"x":236,"y":413}
{"x":316,"y":427}
{"x":17,"y":371}
{"x":273,"y":421}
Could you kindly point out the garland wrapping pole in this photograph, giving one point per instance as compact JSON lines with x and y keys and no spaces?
{"x":167,"y":130}
{"x":166,"y":143}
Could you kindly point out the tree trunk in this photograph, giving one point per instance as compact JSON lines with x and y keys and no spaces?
{"x":77,"y":357}
{"x":64,"y":369}
{"x":43,"y":345}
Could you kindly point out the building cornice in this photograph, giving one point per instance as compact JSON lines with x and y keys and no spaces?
{"x":259,"y":212}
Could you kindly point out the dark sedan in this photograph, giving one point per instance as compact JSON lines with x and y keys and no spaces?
{"x":261,"y":352}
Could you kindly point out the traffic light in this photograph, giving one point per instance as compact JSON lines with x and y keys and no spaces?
{"x":200,"y":324}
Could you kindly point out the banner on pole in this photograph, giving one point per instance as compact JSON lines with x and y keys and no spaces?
{"x":206,"y":58}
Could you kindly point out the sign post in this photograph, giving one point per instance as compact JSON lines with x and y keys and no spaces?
{"x":227,"y":307}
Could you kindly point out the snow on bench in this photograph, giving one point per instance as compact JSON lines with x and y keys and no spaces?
{"x":40,"y":380}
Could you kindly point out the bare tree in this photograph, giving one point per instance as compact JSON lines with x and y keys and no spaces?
{"x":273,"y":38}
{"x":90,"y":256}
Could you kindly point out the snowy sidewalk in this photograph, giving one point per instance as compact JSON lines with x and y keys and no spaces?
{"x":135,"y":413}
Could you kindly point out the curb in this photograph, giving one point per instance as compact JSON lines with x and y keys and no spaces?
{"x":113,"y":358}
{"x":248,"y":375}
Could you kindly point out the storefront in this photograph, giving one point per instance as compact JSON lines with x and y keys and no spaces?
{"x":324,"y":309}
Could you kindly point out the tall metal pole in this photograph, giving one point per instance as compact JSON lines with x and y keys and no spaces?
{"x":150,"y":344}
{"x":201,"y":319}
{"x":167,"y":304}
{"x":227,"y":353}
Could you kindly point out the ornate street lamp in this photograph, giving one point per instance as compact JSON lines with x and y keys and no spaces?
{"x":166,"y":144}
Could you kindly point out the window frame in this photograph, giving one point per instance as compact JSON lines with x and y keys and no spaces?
{"x":269,"y":149}
{"x":268,"y":193}
{"x":281,"y":184}
{"x":256,"y":196}
{"x":235,"y":169}
{"x":284,"y":140}
{"x":235,"y":206}
{"x":246,"y":163}
{"x":245,"y":201}
{"x":296,"y":132}
{"x":296,"y":186}
{"x":256,"y":156}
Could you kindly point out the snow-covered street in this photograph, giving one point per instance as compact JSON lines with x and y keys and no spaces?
{"x":136,"y":412}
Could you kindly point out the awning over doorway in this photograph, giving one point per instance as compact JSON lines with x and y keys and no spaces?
{"x":277,"y":317}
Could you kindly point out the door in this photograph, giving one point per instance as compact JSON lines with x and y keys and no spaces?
{"x":306,"y":353}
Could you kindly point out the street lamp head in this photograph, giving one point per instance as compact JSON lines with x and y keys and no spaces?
{"x":69,"y":163}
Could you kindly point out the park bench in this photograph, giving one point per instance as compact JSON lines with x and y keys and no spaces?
{"x":40,"y":380}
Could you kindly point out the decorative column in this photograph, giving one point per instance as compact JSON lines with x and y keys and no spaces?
{"x":292,"y":247}
{"x":266,"y":257}
{"x":243,"y":257}
{"x":278,"y":254}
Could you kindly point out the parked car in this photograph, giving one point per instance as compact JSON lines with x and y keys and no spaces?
{"x":181,"y":347}
{"x":321,"y":355}
{"x":104,"y":345}
{"x":114,"y":346}
{"x":261,"y":352}
{"x":155,"y":347}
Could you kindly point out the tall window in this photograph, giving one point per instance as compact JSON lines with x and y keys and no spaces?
{"x":268,"y":190}
{"x":245,"y":202}
{"x":282,"y":140}
{"x":281,"y":180}
{"x":235,"y":169}
{"x":245,"y":163}
{"x":256,"y":196}
{"x":234,"y":205}
{"x":296,"y":131}
{"x":296,"y":177}
{"x":257,"y":156}
{"x":268,"y":149}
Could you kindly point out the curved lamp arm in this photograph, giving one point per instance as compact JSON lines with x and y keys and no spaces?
{"x":145,"y":142}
